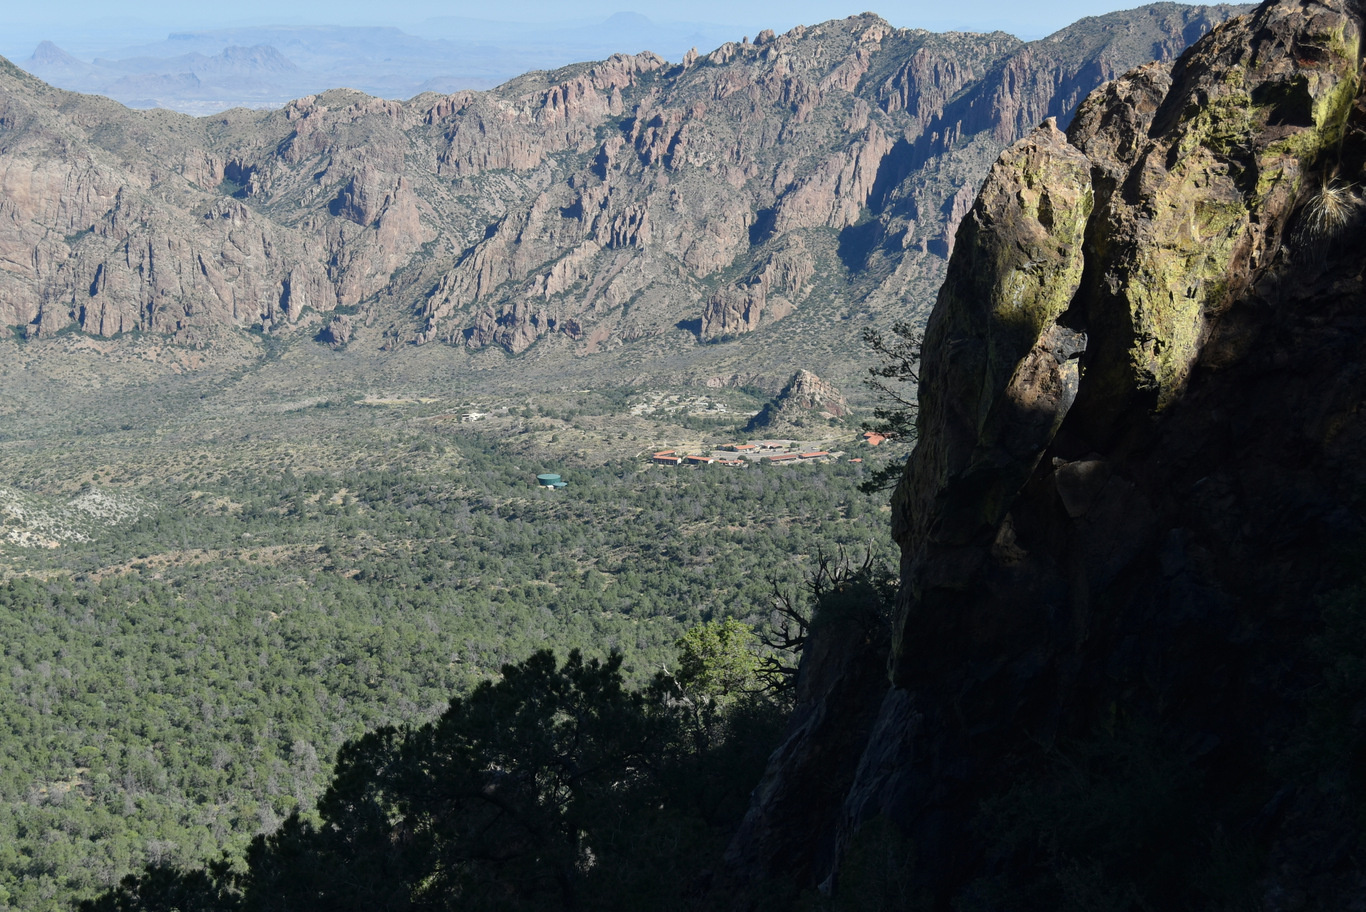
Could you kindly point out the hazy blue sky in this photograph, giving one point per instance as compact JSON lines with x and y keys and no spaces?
{"x":748,"y":16}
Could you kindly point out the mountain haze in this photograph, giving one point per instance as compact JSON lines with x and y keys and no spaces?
{"x":441,"y":54}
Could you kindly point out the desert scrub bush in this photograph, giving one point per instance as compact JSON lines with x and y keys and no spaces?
{"x":1329,"y":211}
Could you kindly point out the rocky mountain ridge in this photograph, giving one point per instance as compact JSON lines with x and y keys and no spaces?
{"x":606,"y":203}
{"x":1130,"y":579}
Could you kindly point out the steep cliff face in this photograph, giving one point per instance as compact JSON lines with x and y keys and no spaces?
{"x":115,"y":221}
{"x":1138,"y":485}
{"x":603,"y":202}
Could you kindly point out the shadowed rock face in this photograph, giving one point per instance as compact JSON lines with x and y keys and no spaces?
{"x":1140,"y":462}
{"x":603,"y":202}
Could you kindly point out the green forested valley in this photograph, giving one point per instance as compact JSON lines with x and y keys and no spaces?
{"x":179,"y":676}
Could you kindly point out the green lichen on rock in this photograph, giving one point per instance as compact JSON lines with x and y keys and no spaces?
{"x":996,"y":381}
{"x":1221,"y":126}
{"x":1191,"y":239}
{"x":1192,"y":178}
{"x":1024,"y":259}
{"x":1250,"y":126}
{"x":1037,"y":281}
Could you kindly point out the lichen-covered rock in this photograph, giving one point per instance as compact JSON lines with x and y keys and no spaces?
{"x":1140,"y":462}
{"x":1000,"y":368}
{"x":1196,"y":177}
{"x":1043,"y":512}
{"x":1193,"y":210}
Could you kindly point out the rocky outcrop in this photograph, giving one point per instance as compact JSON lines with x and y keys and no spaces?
{"x":337,"y":333}
{"x":805,"y":399}
{"x":605,"y":202}
{"x":768,"y":295}
{"x":1139,"y":453}
{"x":1004,"y":369}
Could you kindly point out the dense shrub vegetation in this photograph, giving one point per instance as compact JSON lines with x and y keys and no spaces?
{"x":173,"y":689}
{"x":555,"y":787}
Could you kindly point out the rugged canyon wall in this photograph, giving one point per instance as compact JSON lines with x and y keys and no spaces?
{"x":1131,"y":529}
{"x":827,"y":167}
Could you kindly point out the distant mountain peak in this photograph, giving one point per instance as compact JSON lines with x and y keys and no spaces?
{"x":49,"y":54}
{"x":627,"y":18}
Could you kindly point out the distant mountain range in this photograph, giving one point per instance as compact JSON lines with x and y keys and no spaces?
{"x":203,"y":72}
